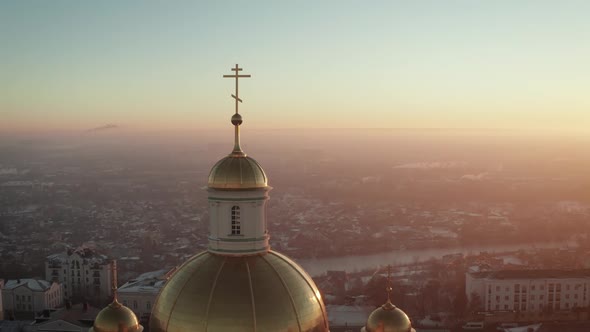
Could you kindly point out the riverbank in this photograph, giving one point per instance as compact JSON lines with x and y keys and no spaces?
{"x":319,"y":266}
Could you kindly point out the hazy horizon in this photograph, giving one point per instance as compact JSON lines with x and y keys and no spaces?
{"x":227,"y":130}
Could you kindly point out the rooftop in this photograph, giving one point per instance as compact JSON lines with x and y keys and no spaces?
{"x":32,"y":284}
{"x":149,"y":282}
{"x":532,"y":274}
{"x":13,"y":326}
{"x":79,"y":315}
{"x":343,"y":315}
{"x":90,"y":255}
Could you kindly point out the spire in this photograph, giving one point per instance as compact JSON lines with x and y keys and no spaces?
{"x":114,"y":279}
{"x":236,"y":119}
{"x":389,"y":289}
{"x":388,"y":305}
{"x":115,"y":317}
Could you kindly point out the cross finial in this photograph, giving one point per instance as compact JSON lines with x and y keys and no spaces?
{"x":389,"y":289}
{"x":237,"y":69}
{"x":236,"y":119}
{"x":114,"y":279}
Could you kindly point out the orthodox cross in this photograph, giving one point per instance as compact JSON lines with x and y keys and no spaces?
{"x":237,"y":69}
{"x":114,"y":279}
{"x":389,"y":289}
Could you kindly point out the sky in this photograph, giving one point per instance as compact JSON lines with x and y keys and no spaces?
{"x":74,"y":65}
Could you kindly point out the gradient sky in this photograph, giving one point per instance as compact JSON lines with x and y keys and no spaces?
{"x":418,"y":64}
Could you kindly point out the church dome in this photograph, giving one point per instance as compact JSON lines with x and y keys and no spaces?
{"x":267,"y":292}
{"x":237,"y":171}
{"x":388,"y":318}
{"x":116,"y":318}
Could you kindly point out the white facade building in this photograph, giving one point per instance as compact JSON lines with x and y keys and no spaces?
{"x":76,"y":318}
{"x":1,"y":307}
{"x":140,"y":294}
{"x":529,"y":290}
{"x":84,"y":273}
{"x":31,"y":295}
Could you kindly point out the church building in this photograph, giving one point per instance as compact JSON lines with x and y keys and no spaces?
{"x":239,"y":283}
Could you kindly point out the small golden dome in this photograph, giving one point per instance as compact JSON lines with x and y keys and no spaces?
{"x":388,"y":318}
{"x":116,"y":318}
{"x":267,"y":292}
{"x":237,"y":171}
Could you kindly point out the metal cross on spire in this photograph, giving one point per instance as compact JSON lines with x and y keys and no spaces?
{"x":388,"y":305}
{"x":236,"y":119}
{"x":237,"y":69}
{"x":389,"y":289}
{"x":114,"y":279}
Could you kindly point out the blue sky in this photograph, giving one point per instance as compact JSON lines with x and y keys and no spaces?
{"x":156,"y":64}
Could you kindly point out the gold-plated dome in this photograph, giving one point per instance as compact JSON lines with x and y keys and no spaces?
{"x":116,"y":318}
{"x":237,"y":171}
{"x":267,"y":292}
{"x":388,"y":318}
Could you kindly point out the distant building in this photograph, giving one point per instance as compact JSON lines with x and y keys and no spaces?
{"x":334,"y":286}
{"x":84,"y":273}
{"x":140,"y":294}
{"x":533,"y":291}
{"x":1,"y":307}
{"x":30,"y":296}
{"x":76,"y":318}
{"x":347,"y":318}
{"x":15,"y":325}
{"x":452,"y":258}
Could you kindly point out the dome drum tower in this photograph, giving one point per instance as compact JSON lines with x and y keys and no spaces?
{"x":238,"y":192}
{"x":237,"y":223}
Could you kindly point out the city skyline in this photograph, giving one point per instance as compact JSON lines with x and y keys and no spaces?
{"x":154,"y":66}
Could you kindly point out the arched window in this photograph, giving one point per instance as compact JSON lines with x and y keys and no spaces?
{"x":235,"y":220}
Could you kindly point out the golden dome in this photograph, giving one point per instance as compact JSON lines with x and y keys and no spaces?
{"x":388,"y":318}
{"x":267,"y":292}
{"x":237,"y":171}
{"x":116,"y":318}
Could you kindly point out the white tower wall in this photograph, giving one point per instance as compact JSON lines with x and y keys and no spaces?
{"x":252,"y":237}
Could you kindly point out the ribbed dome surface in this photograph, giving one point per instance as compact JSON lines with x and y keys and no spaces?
{"x":266,"y":292}
{"x":388,"y":318}
{"x":116,"y":318}
{"x":237,"y":172}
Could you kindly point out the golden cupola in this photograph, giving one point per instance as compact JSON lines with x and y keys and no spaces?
{"x":239,"y":283}
{"x":388,"y":317}
{"x":237,"y":173}
{"x":237,"y":170}
{"x":115,"y":317}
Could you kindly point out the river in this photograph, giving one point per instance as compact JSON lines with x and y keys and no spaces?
{"x":318,"y":266}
